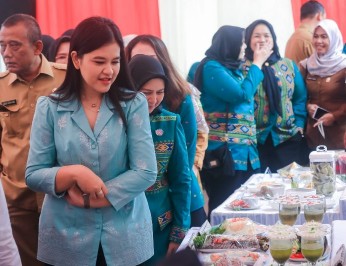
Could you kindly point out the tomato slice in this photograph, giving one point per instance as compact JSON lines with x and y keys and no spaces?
{"x":298,"y":255}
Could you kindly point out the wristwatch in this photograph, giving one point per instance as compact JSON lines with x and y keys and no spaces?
{"x":86,"y":200}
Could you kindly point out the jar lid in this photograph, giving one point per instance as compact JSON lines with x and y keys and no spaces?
{"x":322,"y":155}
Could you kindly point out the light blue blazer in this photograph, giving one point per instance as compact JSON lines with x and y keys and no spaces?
{"x":123,"y":158}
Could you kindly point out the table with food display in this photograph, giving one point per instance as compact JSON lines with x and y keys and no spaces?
{"x":291,"y":217}
{"x":259,"y":198}
{"x":240,"y":241}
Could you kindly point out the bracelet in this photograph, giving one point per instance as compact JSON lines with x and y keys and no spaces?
{"x":86,"y":200}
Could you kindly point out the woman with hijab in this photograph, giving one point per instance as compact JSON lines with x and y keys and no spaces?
{"x":59,"y":49}
{"x":169,"y":198}
{"x":228,"y":97}
{"x":280,"y":110}
{"x":325,"y":75}
{"x":180,"y":99}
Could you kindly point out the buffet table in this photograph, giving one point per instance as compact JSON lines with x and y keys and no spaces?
{"x":336,"y":239}
{"x":266,"y":214}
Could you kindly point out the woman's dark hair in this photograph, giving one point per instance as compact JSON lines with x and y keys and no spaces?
{"x":176,"y":88}
{"x":248,"y":34}
{"x":55,"y":47}
{"x":91,"y":34}
{"x":48,"y":42}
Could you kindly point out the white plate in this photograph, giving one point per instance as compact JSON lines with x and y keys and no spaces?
{"x":242,"y":209}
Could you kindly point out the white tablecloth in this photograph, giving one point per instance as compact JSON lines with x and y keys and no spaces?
{"x":338,"y":235}
{"x":267,"y":215}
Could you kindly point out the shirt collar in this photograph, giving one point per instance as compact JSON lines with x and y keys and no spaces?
{"x":45,"y":69}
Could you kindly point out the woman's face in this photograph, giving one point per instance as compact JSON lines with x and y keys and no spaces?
{"x":62,"y":53}
{"x":99,"y":68}
{"x":242,"y":51}
{"x":320,"y":41}
{"x":261,"y":36}
{"x":154,"y":90}
{"x":143,"y":48}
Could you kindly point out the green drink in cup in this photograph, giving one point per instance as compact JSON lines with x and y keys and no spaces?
{"x":312,"y":240}
{"x":314,"y":208}
{"x":280,"y":242}
{"x":288,"y":213}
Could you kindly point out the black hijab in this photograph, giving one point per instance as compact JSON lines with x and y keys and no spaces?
{"x":144,"y":68}
{"x":225,"y":48}
{"x":270,"y":82}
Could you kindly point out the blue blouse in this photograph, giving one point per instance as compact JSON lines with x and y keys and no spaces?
{"x":224,"y":89}
{"x":123,"y":158}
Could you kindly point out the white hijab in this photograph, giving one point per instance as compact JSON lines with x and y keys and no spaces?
{"x":334,"y":60}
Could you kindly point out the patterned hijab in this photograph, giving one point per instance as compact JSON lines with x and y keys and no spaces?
{"x":225,"y":48}
{"x":334,"y":60}
{"x":270,"y":82}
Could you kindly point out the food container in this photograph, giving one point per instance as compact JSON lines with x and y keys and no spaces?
{"x":322,"y":165}
{"x":301,"y":192}
{"x":277,"y":189}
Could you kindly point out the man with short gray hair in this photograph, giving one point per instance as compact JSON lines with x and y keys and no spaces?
{"x":28,"y":76}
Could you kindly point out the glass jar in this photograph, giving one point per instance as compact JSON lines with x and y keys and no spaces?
{"x":322,"y":165}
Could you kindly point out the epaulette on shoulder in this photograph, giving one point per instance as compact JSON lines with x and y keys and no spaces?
{"x":59,"y":66}
{"x":4,"y":74}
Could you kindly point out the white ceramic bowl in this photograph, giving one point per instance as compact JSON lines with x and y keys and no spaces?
{"x":277,"y":189}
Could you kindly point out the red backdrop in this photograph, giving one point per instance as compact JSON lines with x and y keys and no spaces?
{"x":138,"y":16}
{"x":335,"y":10}
{"x":132,"y":16}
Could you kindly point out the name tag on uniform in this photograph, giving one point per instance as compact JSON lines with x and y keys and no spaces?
{"x":10,"y":102}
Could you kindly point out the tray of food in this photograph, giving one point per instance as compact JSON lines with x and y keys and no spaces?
{"x":234,"y":233}
{"x":230,"y":257}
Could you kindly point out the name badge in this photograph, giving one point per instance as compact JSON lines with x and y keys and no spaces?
{"x":10,"y":102}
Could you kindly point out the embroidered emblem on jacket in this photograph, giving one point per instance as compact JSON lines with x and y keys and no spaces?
{"x":159,"y":132}
{"x":164,"y":219}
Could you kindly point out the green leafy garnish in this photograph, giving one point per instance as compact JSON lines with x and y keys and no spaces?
{"x":198,"y":241}
{"x":219,"y":230}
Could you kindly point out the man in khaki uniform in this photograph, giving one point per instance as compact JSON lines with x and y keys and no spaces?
{"x":28,"y":76}
{"x":299,"y":46}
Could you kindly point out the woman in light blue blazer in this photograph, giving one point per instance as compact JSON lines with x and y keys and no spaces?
{"x":92,"y":153}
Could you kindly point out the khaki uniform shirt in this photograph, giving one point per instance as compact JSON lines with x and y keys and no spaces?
{"x":17,"y":106}
{"x":330,"y":94}
{"x":299,"y":45}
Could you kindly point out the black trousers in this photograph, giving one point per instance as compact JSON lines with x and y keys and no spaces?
{"x":292,"y":150}
{"x":198,"y":217}
{"x":219,"y":189}
{"x":101,"y":261}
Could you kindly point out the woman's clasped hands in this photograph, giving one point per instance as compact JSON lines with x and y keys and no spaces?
{"x":88,"y":190}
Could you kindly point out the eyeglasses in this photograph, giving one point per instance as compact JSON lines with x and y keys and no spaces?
{"x":13,"y":46}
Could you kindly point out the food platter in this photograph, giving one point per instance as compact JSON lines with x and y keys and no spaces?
{"x":248,"y":258}
{"x":234,"y":233}
{"x":243,"y":204}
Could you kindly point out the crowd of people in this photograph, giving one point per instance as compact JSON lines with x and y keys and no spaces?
{"x":102,"y":145}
